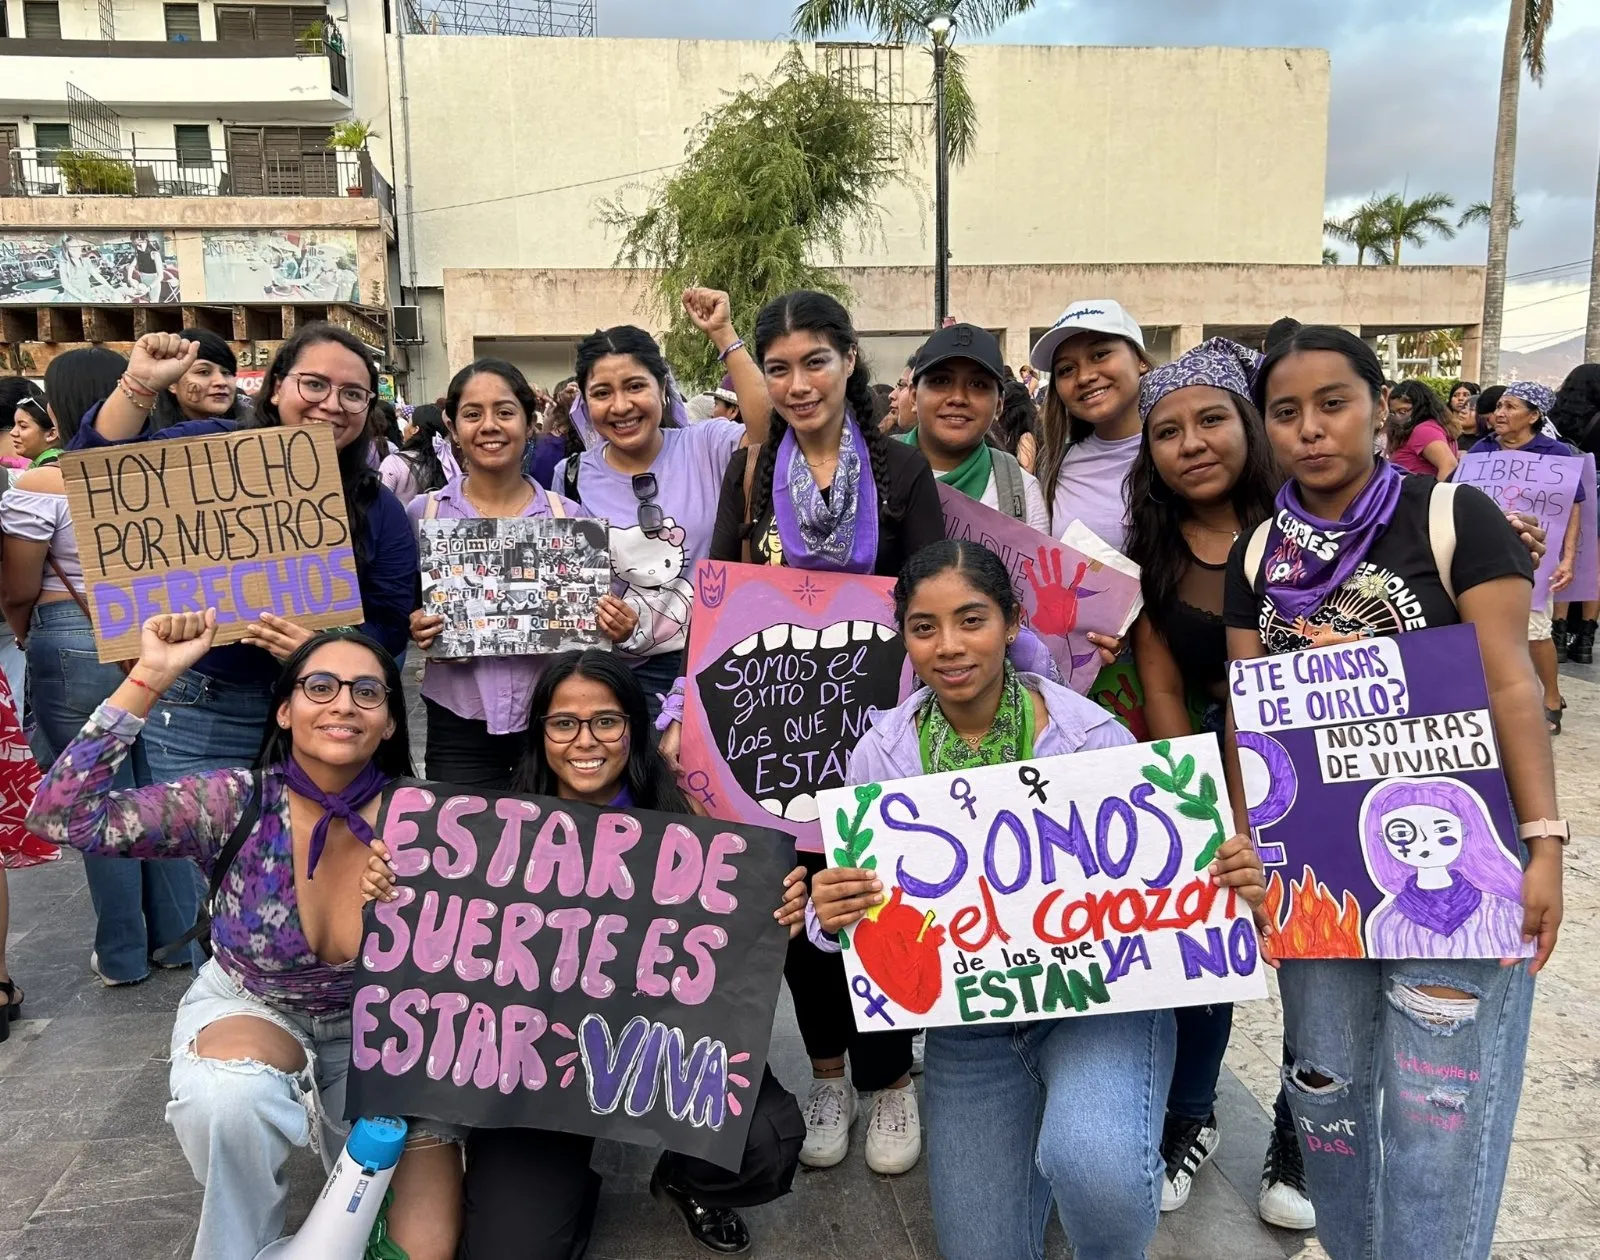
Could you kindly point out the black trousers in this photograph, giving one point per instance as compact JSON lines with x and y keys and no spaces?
{"x":827,"y":1021}
{"x":531,"y":1195}
{"x":462,"y":753}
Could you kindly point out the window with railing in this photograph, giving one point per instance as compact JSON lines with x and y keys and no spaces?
{"x":183,"y":22}
{"x":41,"y":19}
{"x":50,"y":139}
{"x":193,"y":145}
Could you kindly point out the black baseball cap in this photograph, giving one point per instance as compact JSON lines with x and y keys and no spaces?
{"x":961,"y":341}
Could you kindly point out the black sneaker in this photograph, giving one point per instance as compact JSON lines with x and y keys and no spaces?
{"x":717,"y":1229}
{"x":1283,"y":1200}
{"x":1186,"y":1145}
{"x":1559,"y":635}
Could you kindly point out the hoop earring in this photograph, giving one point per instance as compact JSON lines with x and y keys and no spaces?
{"x":1150,"y":492}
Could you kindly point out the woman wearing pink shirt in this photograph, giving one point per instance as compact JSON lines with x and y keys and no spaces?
{"x":1420,"y":433}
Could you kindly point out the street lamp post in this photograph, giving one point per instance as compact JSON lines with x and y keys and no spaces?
{"x":941,"y":27}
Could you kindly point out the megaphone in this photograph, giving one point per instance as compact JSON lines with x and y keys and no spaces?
{"x":342,"y":1220}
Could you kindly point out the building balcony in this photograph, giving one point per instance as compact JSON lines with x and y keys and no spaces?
{"x":246,"y":80}
{"x":169,"y":173}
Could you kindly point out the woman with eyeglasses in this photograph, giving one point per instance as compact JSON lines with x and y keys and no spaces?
{"x":261,"y":1045}
{"x":478,"y":709}
{"x":654,"y":476}
{"x":212,"y":716}
{"x":530,"y":1193}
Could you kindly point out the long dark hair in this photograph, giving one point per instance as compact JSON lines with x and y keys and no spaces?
{"x":647,"y":776}
{"x":1060,"y":430}
{"x":975,"y":562}
{"x":427,"y":421}
{"x":213,"y":349}
{"x":1156,"y":513}
{"x":18,"y":392}
{"x":512,"y":375}
{"x":1362,"y":357}
{"x":1576,"y":414}
{"x":76,"y":381}
{"x":1425,"y":405}
{"x":361,"y":484}
{"x":1018,"y":416}
{"x":636,"y":344}
{"x":807,"y":311}
{"x":393,"y":755}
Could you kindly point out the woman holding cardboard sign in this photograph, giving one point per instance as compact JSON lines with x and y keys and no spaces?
{"x":1360,"y":561}
{"x":478,"y":709}
{"x":261,"y":1045}
{"x":1068,"y":1109}
{"x":213,"y":716}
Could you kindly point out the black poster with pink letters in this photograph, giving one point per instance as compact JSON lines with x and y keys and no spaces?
{"x":554,"y":965}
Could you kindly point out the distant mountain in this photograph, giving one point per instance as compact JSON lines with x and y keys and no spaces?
{"x":1549,"y":365}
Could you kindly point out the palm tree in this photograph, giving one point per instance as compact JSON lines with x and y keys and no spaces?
{"x":1412,"y":222}
{"x":1526,"y":29}
{"x":1363,"y":228}
{"x":906,"y":22}
{"x":1479,"y":212}
{"x":1330,"y":257}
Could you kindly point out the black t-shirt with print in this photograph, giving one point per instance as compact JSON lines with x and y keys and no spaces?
{"x":1396,"y":587}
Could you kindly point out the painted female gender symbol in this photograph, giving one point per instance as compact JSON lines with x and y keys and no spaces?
{"x":1034,"y":782}
{"x":699,"y":784}
{"x":875,"y":1004}
{"x":961,"y":794}
{"x":1282,"y":786}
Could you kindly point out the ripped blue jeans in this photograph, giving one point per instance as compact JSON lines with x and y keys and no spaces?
{"x":1405,"y":1100}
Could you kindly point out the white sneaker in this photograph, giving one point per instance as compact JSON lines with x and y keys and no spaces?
{"x":918,"y":1047}
{"x":94,"y":966}
{"x":1186,"y":1147}
{"x":1283,"y":1200}
{"x":894,"y":1131}
{"x":830,"y":1111}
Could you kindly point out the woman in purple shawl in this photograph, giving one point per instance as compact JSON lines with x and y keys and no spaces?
{"x":1453,"y":890}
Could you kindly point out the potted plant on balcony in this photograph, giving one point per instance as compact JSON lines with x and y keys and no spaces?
{"x":314,"y":38}
{"x":95,"y":173}
{"x":352,"y":136}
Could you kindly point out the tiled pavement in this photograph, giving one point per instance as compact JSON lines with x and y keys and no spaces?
{"x":90,"y":1171}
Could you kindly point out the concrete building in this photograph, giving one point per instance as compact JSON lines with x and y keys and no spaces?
{"x":1187,"y":183}
{"x":167,"y":164}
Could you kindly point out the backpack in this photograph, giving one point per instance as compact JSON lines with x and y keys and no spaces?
{"x":201,"y":931}
{"x":1010,"y":493}
{"x":567,"y":470}
{"x":1441,"y":537}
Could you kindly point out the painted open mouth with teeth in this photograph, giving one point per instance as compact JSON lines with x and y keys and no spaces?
{"x":806,"y":693}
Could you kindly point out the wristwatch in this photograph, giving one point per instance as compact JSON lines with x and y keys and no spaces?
{"x":1546,"y":829}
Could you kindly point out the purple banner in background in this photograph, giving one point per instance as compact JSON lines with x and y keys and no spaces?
{"x":1544,"y":486}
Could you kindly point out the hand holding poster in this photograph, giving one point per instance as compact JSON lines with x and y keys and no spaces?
{"x":246,"y":523}
{"x":785,"y":667}
{"x":514,"y":586}
{"x":1546,"y":487}
{"x":553,"y":965}
{"x":1067,"y":589}
{"x":1036,"y":890}
{"x":1374,"y":785}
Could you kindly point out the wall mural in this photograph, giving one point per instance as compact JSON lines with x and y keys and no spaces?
{"x":281,"y":266}
{"x":99,"y":268}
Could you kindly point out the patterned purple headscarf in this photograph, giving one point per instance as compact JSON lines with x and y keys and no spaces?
{"x":1540,"y":397}
{"x":1219,"y":362}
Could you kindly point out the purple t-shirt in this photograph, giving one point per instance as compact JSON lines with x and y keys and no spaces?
{"x":654,"y":574}
{"x":1090,"y":487}
{"x":496,"y":690}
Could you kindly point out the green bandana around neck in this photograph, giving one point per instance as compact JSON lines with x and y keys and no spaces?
{"x":46,"y":457}
{"x":1008,"y":739}
{"x":971,"y":476}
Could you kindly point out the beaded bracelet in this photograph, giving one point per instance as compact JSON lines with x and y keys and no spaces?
{"x":737,"y":345}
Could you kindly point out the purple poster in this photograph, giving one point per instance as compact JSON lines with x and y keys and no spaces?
{"x":1066,"y":591}
{"x":1544,"y":486}
{"x":1377,"y":799}
{"x":553,"y":965}
{"x":785,"y":668}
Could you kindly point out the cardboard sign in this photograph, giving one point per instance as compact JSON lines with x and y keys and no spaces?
{"x":245,"y":523}
{"x":1544,"y":486}
{"x":1374,"y":786}
{"x":514,"y":586}
{"x":786,"y":668}
{"x":551,"y":965}
{"x":1067,"y":588}
{"x":1044,"y":889}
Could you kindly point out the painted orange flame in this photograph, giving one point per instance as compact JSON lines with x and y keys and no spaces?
{"x":1316,"y":925}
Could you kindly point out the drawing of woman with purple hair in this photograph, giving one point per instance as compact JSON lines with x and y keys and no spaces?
{"x":1451,"y":889}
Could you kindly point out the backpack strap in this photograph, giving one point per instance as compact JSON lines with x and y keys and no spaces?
{"x":569,"y":477}
{"x":1442,"y":532}
{"x":1008,"y":486}
{"x":431,"y":510}
{"x":1255,"y":552}
{"x":752,"y":456}
{"x":556,"y":509}
{"x":242,"y":831}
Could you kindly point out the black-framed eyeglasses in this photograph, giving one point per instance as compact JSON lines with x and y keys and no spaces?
{"x":651,"y":518}
{"x":352,"y":398}
{"x":607,"y":727}
{"x":321,"y":688}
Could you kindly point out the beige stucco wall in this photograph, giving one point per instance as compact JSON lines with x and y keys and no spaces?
{"x":68,"y":213}
{"x":1084,"y":154}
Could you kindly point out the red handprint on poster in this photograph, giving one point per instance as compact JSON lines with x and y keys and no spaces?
{"x":1055,"y":602}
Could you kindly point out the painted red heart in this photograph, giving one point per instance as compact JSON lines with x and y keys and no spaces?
{"x":900,"y":952}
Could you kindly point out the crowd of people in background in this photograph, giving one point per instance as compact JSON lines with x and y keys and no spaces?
{"x":794,"y":457}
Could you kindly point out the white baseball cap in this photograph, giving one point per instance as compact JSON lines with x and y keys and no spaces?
{"x":1099,"y":315}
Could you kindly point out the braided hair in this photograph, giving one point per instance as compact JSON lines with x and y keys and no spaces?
{"x":807,"y":311}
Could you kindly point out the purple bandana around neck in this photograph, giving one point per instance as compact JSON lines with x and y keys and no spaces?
{"x":837,"y":531}
{"x":1309,"y":558}
{"x":1440,"y":910}
{"x":344,"y":805}
{"x":623,"y":799}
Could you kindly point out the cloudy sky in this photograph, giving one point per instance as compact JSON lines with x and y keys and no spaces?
{"x":1415,"y":86}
